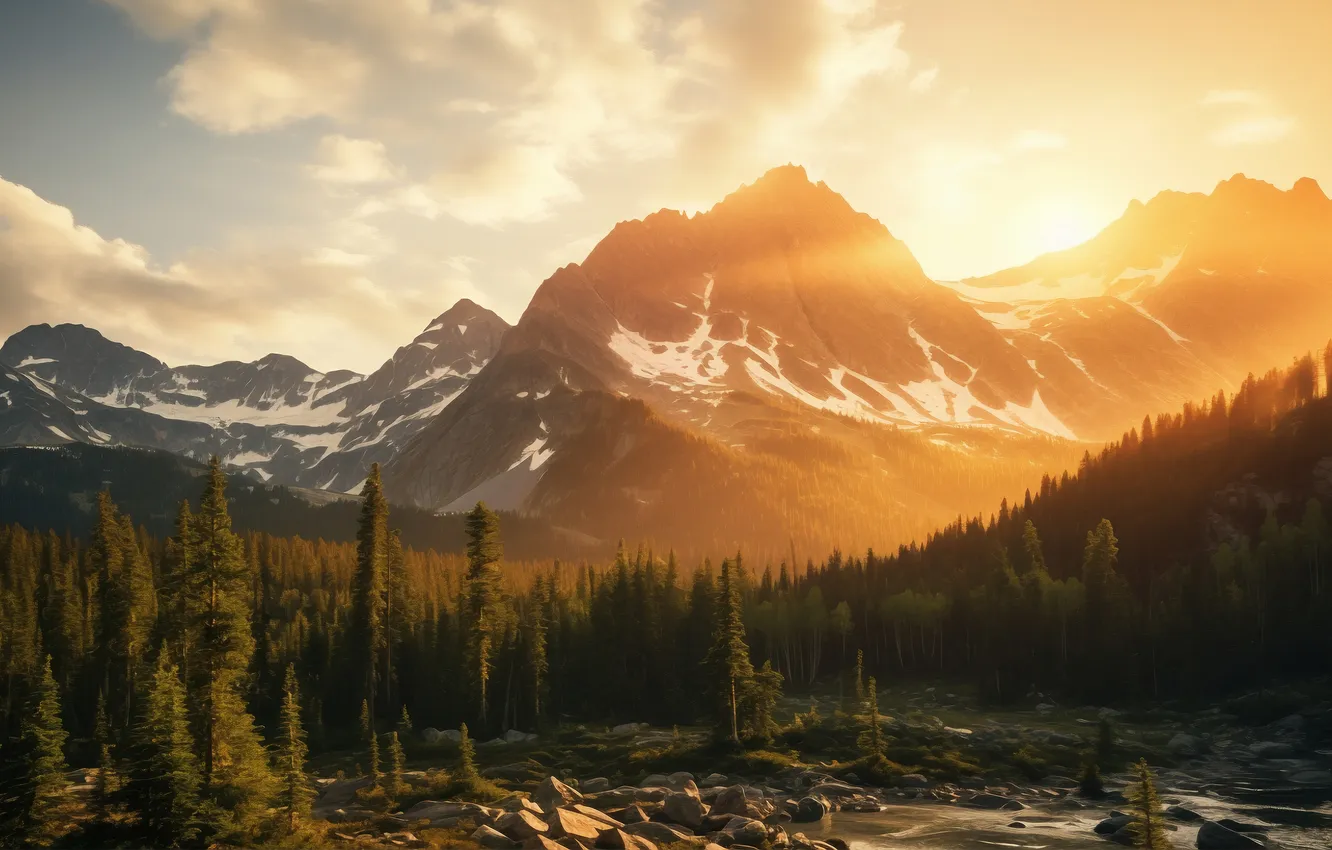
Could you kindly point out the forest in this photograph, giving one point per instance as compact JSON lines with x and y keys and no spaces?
{"x":1189,"y":559}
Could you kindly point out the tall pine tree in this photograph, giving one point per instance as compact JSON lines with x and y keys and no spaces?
{"x":728,"y":657}
{"x":486,"y":626}
{"x":296,"y":795}
{"x":164,"y":780}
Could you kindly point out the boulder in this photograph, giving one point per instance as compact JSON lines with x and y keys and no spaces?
{"x":744,"y":830}
{"x":810,"y":810}
{"x":661,"y":833}
{"x":684,"y":808}
{"x":600,"y":817}
{"x":678,"y":780}
{"x":835,"y":791}
{"x":492,"y":839}
{"x":655,"y":780}
{"x":627,"y":728}
{"x":618,"y":839}
{"x":565,"y":823}
{"x":1180,"y":813}
{"x":712,"y":780}
{"x":913,"y":780}
{"x":1272,"y":750}
{"x":595,"y":785}
{"x":513,"y":736}
{"x":615,"y":798}
{"x":521,"y":825}
{"x":1017,"y":824}
{"x":838,"y":844}
{"x":1112,"y":824}
{"x":1214,"y":836}
{"x":519,"y":803}
{"x":746,"y":801}
{"x":430,"y":735}
{"x":651,"y":795}
{"x":541,"y":842}
{"x":630,"y":814}
{"x":450,"y":811}
{"x":552,"y":793}
{"x":1186,"y":745}
{"x":1240,"y":826}
{"x":993,"y":802}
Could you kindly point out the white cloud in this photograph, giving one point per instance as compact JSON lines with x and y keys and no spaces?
{"x":923,"y":81}
{"x":1231,"y":97}
{"x":1254,"y":131}
{"x":339,"y":159}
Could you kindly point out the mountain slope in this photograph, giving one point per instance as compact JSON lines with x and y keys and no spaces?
{"x":275,"y":417}
{"x":1177,"y":298}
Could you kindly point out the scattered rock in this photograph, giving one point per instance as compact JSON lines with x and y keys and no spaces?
{"x":492,"y":839}
{"x":599,"y":817}
{"x":810,"y":810}
{"x":913,"y":780}
{"x":1214,"y":836}
{"x":628,"y":728}
{"x":541,"y":842}
{"x":552,"y":793}
{"x":712,"y":780}
{"x":1238,"y":826}
{"x":1271,"y":750}
{"x":746,"y":831}
{"x":1291,"y":817}
{"x":513,"y":736}
{"x":595,"y":785}
{"x":838,"y":844}
{"x":661,"y":833}
{"x":1186,"y":745}
{"x":521,"y":825}
{"x":993,"y":802}
{"x":450,"y":812}
{"x":566,"y":823}
{"x":679,"y":780}
{"x":684,"y":808}
{"x":1112,"y":824}
{"x":654,"y":780}
{"x":630,"y":814}
{"x":1182,"y":814}
{"x":618,"y":839}
{"x":1017,"y":824}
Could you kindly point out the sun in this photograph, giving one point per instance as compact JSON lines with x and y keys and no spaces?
{"x":1059,"y":224}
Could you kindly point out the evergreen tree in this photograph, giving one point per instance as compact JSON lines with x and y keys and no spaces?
{"x":236,"y":776}
{"x":164,"y":779}
{"x":871,"y":740}
{"x":370,"y":589}
{"x":537,"y":665}
{"x":761,"y":697}
{"x":466,"y":757}
{"x":108,"y":780}
{"x":405,"y":724}
{"x":397,"y":760}
{"x":484,"y":551}
{"x":296,"y":794}
{"x":42,"y":815}
{"x":371,"y":739}
{"x":860,"y":677}
{"x":1148,"y":827}
{"x":1089,"y":783}
{"x":728,"y":656}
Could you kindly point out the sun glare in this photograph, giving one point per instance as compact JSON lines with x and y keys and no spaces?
{"x":1057,"y":225}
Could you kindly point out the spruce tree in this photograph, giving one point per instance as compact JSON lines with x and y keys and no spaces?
{"x":484,"y":551}
{"x":108,"y":780}
{"x":164,"y":779}
{"x":728,"y":657}
{"x":236,"y":775}
{"x":397,"y":762}
{"x":762,"y":695}
{"x":1148,"y":826}
{"x":369,"y":590}
{"x":405,"y":723}
{"x":871,"y":740}
{"x":371,"y":740}
{"x":42,"y":810}
{"x":860,"y":677}
{"x":537,"y":664}
{"x":466,"y":757}
{"x":296,"y":794}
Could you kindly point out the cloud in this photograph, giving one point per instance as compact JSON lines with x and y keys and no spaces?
{"x":1038,"y":140}
{"x":339,"y":159}
{"x":923,"y":81}
{"x":1254,"y":131}
{"x":207,"y":306}
{"x":503,"y":108}
{"x":1231,"y":97}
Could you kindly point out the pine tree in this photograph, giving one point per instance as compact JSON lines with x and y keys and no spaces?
{"x":1089,"y":783}
{"x":1148,"y":827}
{"x":728,"y":657}
{"x":761,"y":697}
{"x":164,"y":780}
{"x":397,"y":760}
{"x":41,"y":805}
{"x":860,"y":677}
{"x":466,"y":757}
{"x":296,"y":795}
{"x":108,"y":780}
{"x":236,"y":775}
{"x":371,"y":739}
{"x":369,"y":589}
{"x":537,"y":665}
{"x":484,"y":551}
{"x":405,"y":724}
{"x":871,"y":740}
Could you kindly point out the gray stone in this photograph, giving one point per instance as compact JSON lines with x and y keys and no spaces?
{"x":913,"y":780}
{"x":1112,"y":824}
{"x":684,"y":808}
{"x":1214,"y":836}
{"x":810,"y":810}
{"x":552,"y":793}
{"x":492,"y":839}
{"x":712,"y":780}
{"x":993,"y":802}
{"x":521,"y":825}
{"x":595,"y":785}
{"x":1186,"y":745}
{"x":1180,"y":813}
{"x":746,"y":831}
{"x":662,"y":833}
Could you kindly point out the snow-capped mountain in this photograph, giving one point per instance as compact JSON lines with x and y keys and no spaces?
{"x":275,"y":417}
{"x":784,"y":308}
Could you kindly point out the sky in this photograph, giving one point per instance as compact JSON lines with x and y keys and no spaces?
{"x":220,"y":179}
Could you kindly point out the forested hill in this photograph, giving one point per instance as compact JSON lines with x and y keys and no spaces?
{"x":55,"y":488}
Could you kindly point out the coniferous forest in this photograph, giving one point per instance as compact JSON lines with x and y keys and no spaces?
{"x":196,"y":674}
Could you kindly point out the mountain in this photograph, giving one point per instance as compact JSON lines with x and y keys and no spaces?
{"x":275,"y":417}
{"x":1179,"y":297}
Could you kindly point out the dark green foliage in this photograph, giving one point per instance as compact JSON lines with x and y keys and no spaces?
{"x":39,"y":810}
{"x":466,"y":771}
{"x":370,"y":738}
{"x":108,"y":778}
{"x":871,"y":739}
{"x":397,"y":762}
{"x":484,"y":597}
{"x":369,"y":590}
{"x":728,"y":657}
{"x":1148,"y":827}
{"x":165,"y":779}
{"x":296,"y":793}
{"x":1089,"y":781}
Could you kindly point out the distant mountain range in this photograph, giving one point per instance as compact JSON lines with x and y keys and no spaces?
{"x":275,"y":418}
{"x":780,"y":337}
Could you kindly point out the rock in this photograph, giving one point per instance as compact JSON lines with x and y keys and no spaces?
{"x":651,"y":795}
{"x":630,"y":814}
{"x":1291,"y":817}
{"x":993,"y":802}
{"x":835,"y":790}
{"x":1045,"y":707}
{"x":618,"y":839}
{"x":552,"y":793}
{"x":1186,"y":745}
{"x":566,"y":823}
{"x":1311,"y":777}
{"x":521,"y":825}
{"x":678,"y":780}
{"x":1238,"y":826}
{"x":743,"y":800}
{"x":1180,"y":813}
{"x":712,"y":780}
{"x":1271,"y":750}
{"x":1017,"y":824}
{"x":595,"y":785}
{"x":492,"y":839}
{"x":809,"y":778}
{"x":1291,"y":723}
{"x":744,"y":830}
{"x":541,"y":842}
{"x":661,"y":833}
{"x":519,"y":803}
{"x":684,"y":808}
{"x":1112,"y":824}
{"x":655,"y":780}
{"x":627,"y":728}
{"x":600,"y":817}
{"x":615,"y":798}
{"x":810,"y":810}
{"x":435,"y":811}
{"x":913,"y":780}
{"x":838,"y":844}
{"x":1214,"y":836}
